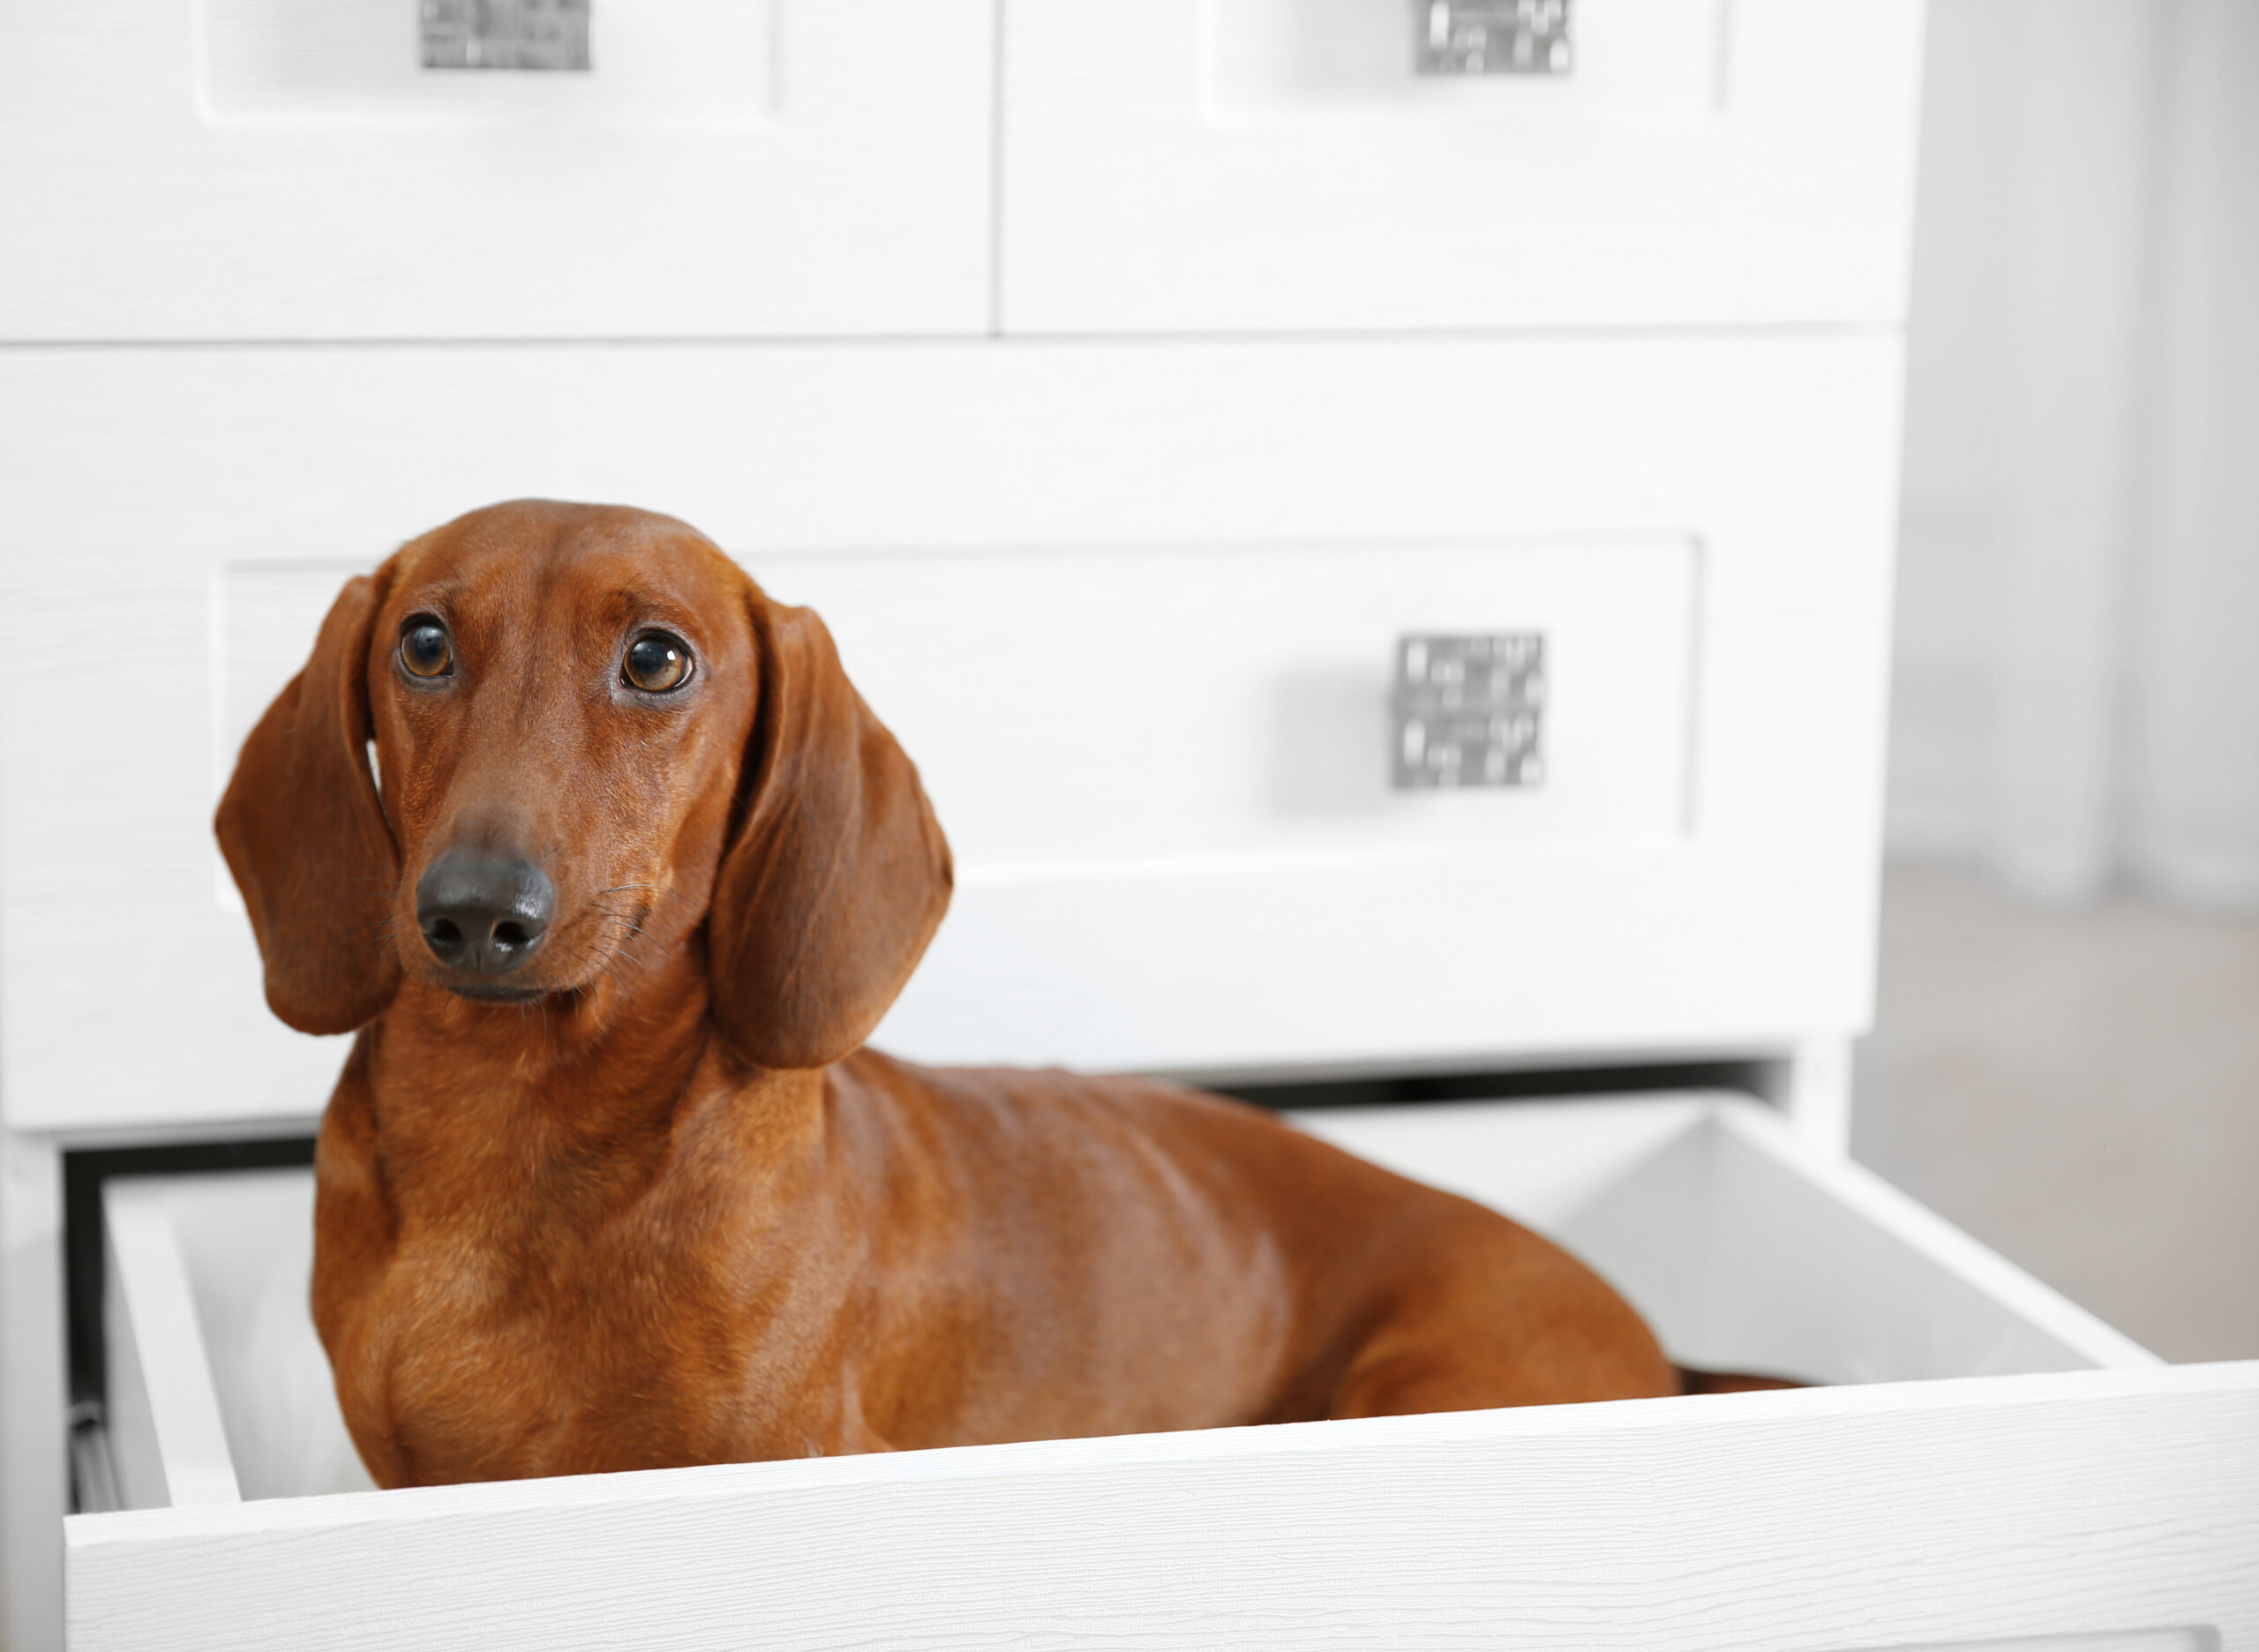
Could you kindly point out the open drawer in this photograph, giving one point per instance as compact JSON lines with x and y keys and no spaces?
{"x":2077,"y":1490}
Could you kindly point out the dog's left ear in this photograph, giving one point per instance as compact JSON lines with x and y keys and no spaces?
{"x":838,"y":873}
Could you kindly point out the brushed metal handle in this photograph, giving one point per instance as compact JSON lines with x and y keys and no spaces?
{"x":1467,"y":37}
{"x":544,"y":35}
{"x":1470,"y":710}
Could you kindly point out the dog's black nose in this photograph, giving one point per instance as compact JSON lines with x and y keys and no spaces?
{"x":482,"y":913}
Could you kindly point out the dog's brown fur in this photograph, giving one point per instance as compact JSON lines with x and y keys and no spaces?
{"x":673,"y":1213}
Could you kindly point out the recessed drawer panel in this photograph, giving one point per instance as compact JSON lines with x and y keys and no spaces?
{"x":1136,"y":708}
{"x":722,"y":166}
{"x":2080,"y":1490}
{"x":1189,"y":759}
{"x":1175,"y":165}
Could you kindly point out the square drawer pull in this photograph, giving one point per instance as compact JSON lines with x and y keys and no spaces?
{"x":505,"y":33}
{"x":1468,"y":37}
{"x":1469,"y":711}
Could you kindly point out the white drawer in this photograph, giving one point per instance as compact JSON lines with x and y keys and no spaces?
{"x":267,"y":169}
{"x":1133,"y":610}
{"x":2114,"y":1498}
{"x":1133,"y":746}
{"x":1190,"y":165}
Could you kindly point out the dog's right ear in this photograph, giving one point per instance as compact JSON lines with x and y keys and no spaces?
{"x":306,"y":835}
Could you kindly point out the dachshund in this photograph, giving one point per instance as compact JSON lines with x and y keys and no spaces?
{"x":610,"y":872}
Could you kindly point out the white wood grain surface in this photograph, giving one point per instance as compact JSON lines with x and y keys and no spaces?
{"x":1822,"y":1518}
{"x":141,"y":481}
{"x":1198,"y":165}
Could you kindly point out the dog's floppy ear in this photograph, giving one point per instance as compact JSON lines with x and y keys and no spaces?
{"x":306,"y":835}
{"x":838,"y":873}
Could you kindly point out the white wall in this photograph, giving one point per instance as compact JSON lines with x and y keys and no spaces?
{"x":2077,"y":687}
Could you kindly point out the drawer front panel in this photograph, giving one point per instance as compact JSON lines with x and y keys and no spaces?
{"x":1226,"y":164}
{"x":1181,"y":859}
{"x":2042,"y":1510}
{"x":753,"y":167}
{"x":2012,"y":1509}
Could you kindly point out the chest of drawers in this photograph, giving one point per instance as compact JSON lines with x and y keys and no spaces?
{"x":1126,"y":385}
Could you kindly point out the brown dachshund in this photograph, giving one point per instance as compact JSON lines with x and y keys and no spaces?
{"x":614,"y":872}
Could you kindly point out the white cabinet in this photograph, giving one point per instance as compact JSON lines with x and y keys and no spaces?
{"x":269,"y":169}
{"x":1892,"y":1512}
{"x":1177,"y":166}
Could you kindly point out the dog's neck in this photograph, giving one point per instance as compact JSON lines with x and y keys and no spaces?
{"x":581,"y":1099}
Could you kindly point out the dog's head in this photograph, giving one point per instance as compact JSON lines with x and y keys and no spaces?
{"x":548,"y":742}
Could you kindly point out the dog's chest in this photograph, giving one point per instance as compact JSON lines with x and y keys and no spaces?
{"x":528,"y":1350}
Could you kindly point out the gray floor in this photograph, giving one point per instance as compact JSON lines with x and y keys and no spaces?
{"x":2080,"y":1090}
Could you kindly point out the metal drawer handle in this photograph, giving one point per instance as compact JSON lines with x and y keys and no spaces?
{"x":505,"y":33}
{"x":1526,"y":37}
{"x":1470,"y":710}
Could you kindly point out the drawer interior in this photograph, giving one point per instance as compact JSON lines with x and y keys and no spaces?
{"x":1745,"y":1252}
{"x":218,"y":1388}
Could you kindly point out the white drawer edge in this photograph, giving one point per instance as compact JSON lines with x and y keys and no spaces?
{"x":1730,"y":1412}
{"x":2023,"y":1504}
{"x":1924,"y":1230}
{"x":152,"y":1274}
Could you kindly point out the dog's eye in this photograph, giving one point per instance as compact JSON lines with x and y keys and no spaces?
{"x":657,"y":662}
{"x":425,"y":649}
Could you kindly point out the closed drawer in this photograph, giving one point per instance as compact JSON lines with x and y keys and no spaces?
{"x":1170,"y":776}
{"x":1175,"y":165}
{"x":2112,"y":1496}
{"x":263,"y":168}
{"x":1135,"y":612}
